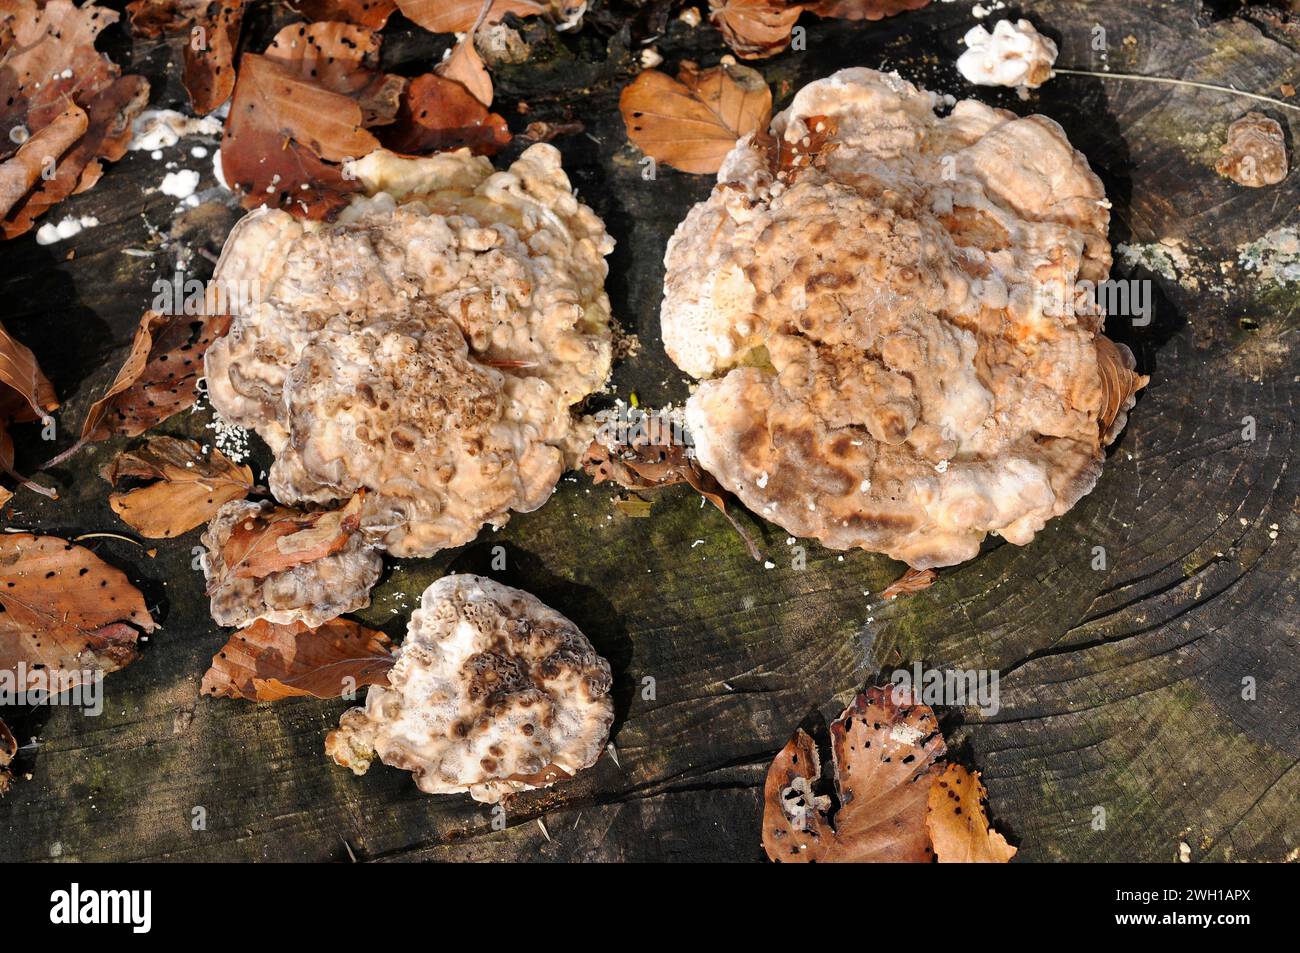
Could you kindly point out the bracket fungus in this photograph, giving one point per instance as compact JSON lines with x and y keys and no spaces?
{"x":492,"y":693}
{"x":894,"y":318}
{"x":427,"y":348}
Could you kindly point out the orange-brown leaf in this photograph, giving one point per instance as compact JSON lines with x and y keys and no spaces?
{"x":186,"y":486}
{"x":863,"y":9}
{"x":883,"y":751}
{"x":282,"y":538}
{"x":958,"y":825}
{"x":8,"y":751}
{"x":210,"y":31}
{"x":19,"y":174}
{"x":438,"y":114}
{"x":465,"y":66}
{"x":371,"y":14}
{"x":49,"y":64}
{"x":159,"y":377}
{"x":914,"y":580}
{"x":65,"y":609}
{"x":267,"y":662}
{"x":457,"y":16}
{"x":25,"y":393}
{"x":755,"y":28}
{"x":343,"y":58}
{"x":692,"y":122}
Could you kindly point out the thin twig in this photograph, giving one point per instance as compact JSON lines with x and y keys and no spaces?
{"x":1137,"y":77}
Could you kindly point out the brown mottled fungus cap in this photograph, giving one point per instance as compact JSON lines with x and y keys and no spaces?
{"x":492,"y":693}
{"x":428,"y":347}
{"x":878,"y":302}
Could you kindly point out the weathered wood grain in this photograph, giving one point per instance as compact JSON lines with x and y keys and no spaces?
{"x":1121,"y":689}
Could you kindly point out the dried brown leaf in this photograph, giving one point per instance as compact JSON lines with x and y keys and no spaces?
{"x":438,"y":114}
{"x":282,"y":538}
{"x":863,"y":9}
{"x":457,"y":16}
{"x":159,"y":377}
{"x":267,"y":662}
{"x":65,"y":609}
{"x":187,"y":488}
{"x":466,"y":67}
{"x":883,"y":749}
{"x":692,"y":122}
{"x":19,"y":174}
{"x":912,"y":581}
{"x":755,"y":28}
{"x":958,"y":825}
{"x":210,"y":30}
{"x":343,"y":58}
{"x":48,"y":65}
{"x":371,"y":14}
{"x":1119,"y":386}
{"x":25,"y":394}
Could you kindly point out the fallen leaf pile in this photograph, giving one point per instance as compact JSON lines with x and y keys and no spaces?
{"x":25,"y":395}
{"x":640,"y":464}
{"x":65,"y":109}
{"x":760,"y":28}
{"x":185,"y":487}
{"x":65,"y":609}
{"x":891,"y":802}
{"x":692,"y":122}
{"x":267,"y":662}
{"x":8,"y":751}
{"x":210,"y":32}
{"x":281,"y":538}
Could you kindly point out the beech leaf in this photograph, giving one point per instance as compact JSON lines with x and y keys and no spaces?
{"x":959,"y":827}
{"x":755,"y":28}
{"x":65,"y":609}
{"x":465,"y":66}
{"x":439,"y":114}
{"x":187,"y":488}
{"x":25,"y":394}
{"x":371,"y":14}
{"x":267,"y":662}
{"x":883,"y":750}
{"x":209,"y":74}
{"x":692,"y":122}
{"x":457,"y":16}
{"x":914,"y":580}
{"x":281,"y":538}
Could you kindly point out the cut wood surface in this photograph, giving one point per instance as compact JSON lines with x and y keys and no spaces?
{"x":1127,"y":726}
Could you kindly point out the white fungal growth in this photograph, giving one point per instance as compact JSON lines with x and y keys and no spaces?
{"x":1014,"y":54}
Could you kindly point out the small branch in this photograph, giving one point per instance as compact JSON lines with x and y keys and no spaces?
{"x":1170,"y":81}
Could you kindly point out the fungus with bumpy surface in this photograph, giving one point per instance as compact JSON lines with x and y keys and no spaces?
{"x":893,"y":314}
{"x":1014,"y":54}
{"x":428,"y":347}
{"x":492,"y":693}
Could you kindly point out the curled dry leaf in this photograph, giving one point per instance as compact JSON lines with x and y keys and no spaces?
{"x":186,"y":487}
{"x":21,"y":173}
{"x":457,"y":16}
{"x":25,"y":394}
{"x":692,"y":122}
{"x":914,"y":580}
{"x":48,"y":64}
{"x":1119,"y":386}
{"x":640,"y":464}
{"x":863,"y":9}
{"x":755,"y":28}
{"x":883,"y":749}
{"x":438,"y":114}
{"x":958,"y":825}
{"x":371,"y":14}
{"x":65,"y":610}
{"x":210,"y":31}
{"x":159,"y":378}
{"x":267,"y":662}
{"x":465,"y":66}
{"x":8,"y":751}
{"x":281,"y":538}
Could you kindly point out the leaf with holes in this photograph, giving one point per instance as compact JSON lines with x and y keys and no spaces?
{"x":210,"y":33}
{"x":959,"y":827}
{"x":692,"y":122}
{"x":64,"y":609}
{"x":267,"y":662}
{"x":371,"y":14}
{"x":883,"y":753}
{"x":185,"y":487}
{"x":159,"y":378}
